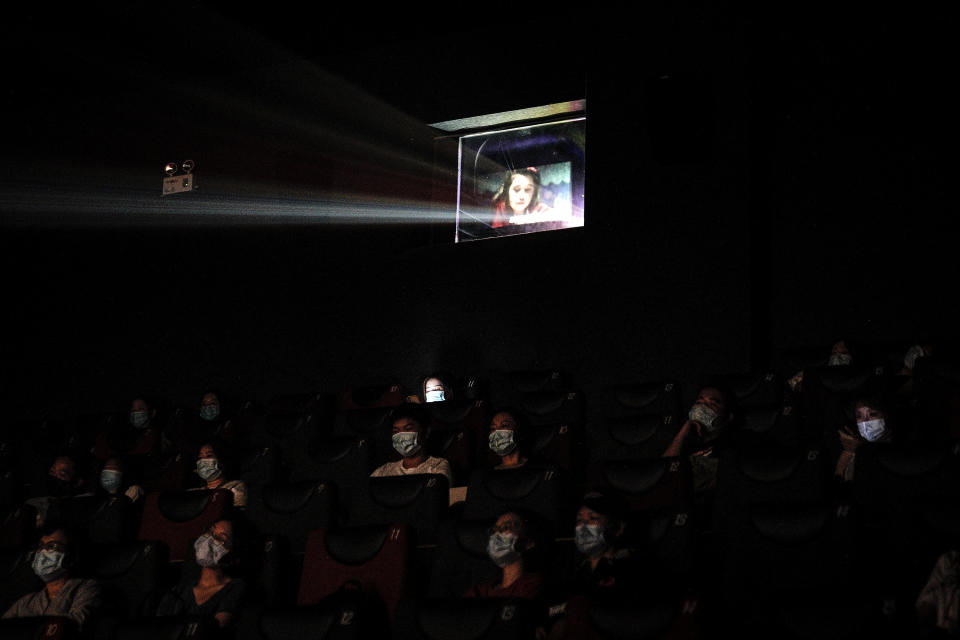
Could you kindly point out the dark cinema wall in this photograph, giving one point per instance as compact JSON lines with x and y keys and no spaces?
{"x":747,"y":192}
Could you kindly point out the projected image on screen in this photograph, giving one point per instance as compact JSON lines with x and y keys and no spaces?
{"x":521,"y":180}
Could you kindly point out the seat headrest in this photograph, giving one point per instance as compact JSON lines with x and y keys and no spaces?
{"x":472,"y":536}
{"x":113,"y":561}
{"x":634,"y":430}
{"x":636,"y":476}
{"x":330,"y":450}
{"x":397,"y":492}
{"x":641,"y":395}
{"x":769,"y":463}
{"x":511,"y":484}
{"x":790,"y":525}
{"x":367,"y":421}
{"x":449,"y":411}
{"x":356,"y":545}
{"x":183,"y":506}
{"x":909,"y":462}
{"x":291,"y":498}
{"x":370,"y":396}
{"x":528,"y":381}
{"x":637,"y":621}
{"x":459,"y":619}
{"x":539,"y":403}
{"x":844,"y":379}
{"x":313,"y":622}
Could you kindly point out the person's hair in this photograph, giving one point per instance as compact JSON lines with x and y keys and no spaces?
{"x":503,"y":192}
{"x":729,"y":397}
{"x":606,"y":504}
{"x":445,"y":378}
{"x":521,"y":430}
{"x":411,"y":411}
{"x":872,"y":401}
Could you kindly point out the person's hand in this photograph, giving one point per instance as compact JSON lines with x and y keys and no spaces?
{"x":848,"y":441}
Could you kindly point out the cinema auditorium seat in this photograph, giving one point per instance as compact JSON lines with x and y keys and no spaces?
{"x":456,"y":426}
{"x":291,"y":511}
{"x":615,"y":619}
{"x":418,"y":501}
{"x":460,"y":560}
{"x":131,"y":577}
{"x":466,"y":619}
{"x":43,"y":628}
{"x":534,"y":489}
{"x":651,"y":483}
{"x":365,"y":564}
{"x":176,"y":518}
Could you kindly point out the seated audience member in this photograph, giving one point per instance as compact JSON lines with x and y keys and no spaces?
{"x":210,"y":468}
{"x":437,"y":388}
{"x":140,"y":436}
{"x":914,"y":353}
{"x":62,"y":594}
{"x":873,"y":426}
{"x":706,"y":423}
{"x":215,"y":596}
{"x":505,"y":439}
{"x":112,"y":482}
{"x":840,"y":355}
{"x":63,"y":481}
{"x":508,"y":547}
{"x":938,"y":604}
{"x":409,"y":439}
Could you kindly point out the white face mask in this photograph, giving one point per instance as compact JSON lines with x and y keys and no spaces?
{"x":872,"y":430}
{"x":406,"y":443}
{"x":435,"y":395}
{"x":590,"y":539}
{"x":839,"y":359}
{"x":209,"y":551}
{"x":706,"y":418}
{"x":502,"y":548}
{"x":48,"y":564}
{"x":502,"y":442}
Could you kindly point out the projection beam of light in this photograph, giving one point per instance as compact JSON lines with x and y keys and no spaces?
{"x":276,"y":139}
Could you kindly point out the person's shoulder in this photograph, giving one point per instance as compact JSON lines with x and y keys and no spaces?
{"x":386,"y":469}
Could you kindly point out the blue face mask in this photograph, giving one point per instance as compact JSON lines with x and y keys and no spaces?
{"x":139,"y":419}
{"x":502,"y":548}
{"x":208,"y":468}
{"x":407,"y":443}
{"x":110,"y":480}
{"x":590,"y":539}
{"x":502,"y":442}
{"x":48,"y":564}
{"x":209,"y":411}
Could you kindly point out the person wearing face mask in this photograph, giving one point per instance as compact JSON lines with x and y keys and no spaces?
{"x":840,"y":356}
{"x":140,"y":433}
{"x":505,"y":437}
{"x":62,"y":594}
{"x":210,"y":468}
{"x":509,"y":544}
{"x":701,"y":434}
{"x":215,"y":595}
{"x":63,"y":481}
{"x":409,"y":440}
{"x":872,"y":426}
{"x":113,"y":484}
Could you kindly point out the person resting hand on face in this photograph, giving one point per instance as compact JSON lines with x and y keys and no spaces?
{"x":210,"y":470}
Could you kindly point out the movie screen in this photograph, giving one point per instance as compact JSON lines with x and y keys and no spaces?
{"x":521,"y":180}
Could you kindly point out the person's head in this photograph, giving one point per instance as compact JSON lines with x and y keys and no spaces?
{"x":920,"y":350}
{"x":599,"y":523}
{"x":410,"y":430}
{"x":62,"y":477}
{"x":509,"y":539}
{"x":711,"y":412}
{"x":872,"y":419}
{"x":436,"y":389}
{"x":505,"y":431}
{"x":840,"y":354}
{"x":209,"y":465}
{"x":141,"y":412}
{"x":54,"y":556}
{"x":520,"y":190}
{"x":217,"y":547}
{"x":210,"y":406}
{"x":111,"y":475}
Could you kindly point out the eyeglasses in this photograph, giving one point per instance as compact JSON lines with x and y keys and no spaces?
{"x":52,"y":545}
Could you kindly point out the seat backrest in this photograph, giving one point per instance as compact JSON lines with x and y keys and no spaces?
{"x":466,"y":619}
{"x":538,"y":490}
{"x":292,"y":510}
{"x":130,"y":575}
{"x":460,"y":560}
{"x":177,"y":518}
{"x":373,"y":558}
{"x":418,"y":501}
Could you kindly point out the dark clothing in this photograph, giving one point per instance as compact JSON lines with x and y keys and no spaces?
{"x":181,"y":601}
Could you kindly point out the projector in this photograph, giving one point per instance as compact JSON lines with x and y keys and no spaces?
{"x":178,"y":183}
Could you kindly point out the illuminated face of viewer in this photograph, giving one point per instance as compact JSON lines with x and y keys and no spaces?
{"x":521,"y":193}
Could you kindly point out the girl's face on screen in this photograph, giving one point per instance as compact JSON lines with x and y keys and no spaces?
{"x":521,"y":193}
